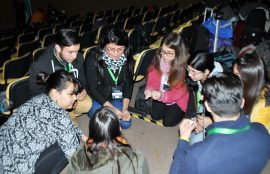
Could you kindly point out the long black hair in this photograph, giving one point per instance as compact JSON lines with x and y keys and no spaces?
{"x":104,"y":133}
{"x":253,"y":74}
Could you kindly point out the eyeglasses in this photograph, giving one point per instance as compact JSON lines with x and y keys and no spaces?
{"x":168,"y":54}
{"x":192,"y":72}
{"x":118,"y":50}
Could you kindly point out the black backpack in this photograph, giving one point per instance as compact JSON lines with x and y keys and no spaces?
{"x":225,"y":56}
{"x":196,"y":38}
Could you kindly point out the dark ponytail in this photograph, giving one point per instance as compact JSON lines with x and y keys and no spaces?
{"x":57,"y":81}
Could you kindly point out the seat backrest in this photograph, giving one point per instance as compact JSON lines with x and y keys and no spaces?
{"x":131,"y":22}
{"x":88,"y":51}
{"x":176,"y":17}
{"x":142,"y":63}
{"x":111,"y":19}
{"x":26,"y":37}
{"x":17,"y":68}
{"x":28,"y":47}
{"x":119,"y":25}
{"x":5,"y":54}
{"x":159,"y":24}
{"x":86,"y":28}
{"x":58,"y":27}
{"x":9,"y":41}
{"x":148,"y":16}
{"x":37,"y":52}
{"x":43,"y":31}
{"x":18,"y":92}
{"x":148,"y":27}
{"x":88,"y":39}
{"x":138,"y":39}
{"x":49,"y":39}
{"x":88,"y":20}
{"x":75,"y":23}
{"x":102,"y":30}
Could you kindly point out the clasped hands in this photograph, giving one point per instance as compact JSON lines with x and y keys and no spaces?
{"x":187,"y":125}
{"x":124,"y":115}
{"x":156,"y":95}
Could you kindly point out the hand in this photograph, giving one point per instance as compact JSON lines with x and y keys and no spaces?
{"x":202,"y":123}
{"x":186,"y":127}
{"x":156,"y":95}
{"x":125,"y":115}
{"x":147,"y":94}
{"x":84,"y":138}
{"x":81,"y":96}
{"x":118,"y":112}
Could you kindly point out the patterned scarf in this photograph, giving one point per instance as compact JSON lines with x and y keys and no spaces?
{"x":114,"y":64}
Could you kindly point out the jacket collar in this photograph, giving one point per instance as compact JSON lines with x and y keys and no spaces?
{"x":241,"y":122}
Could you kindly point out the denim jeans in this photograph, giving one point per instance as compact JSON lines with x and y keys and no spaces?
{"x":116,"y":103}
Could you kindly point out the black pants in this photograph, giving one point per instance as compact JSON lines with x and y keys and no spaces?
{"x":171,"y":114}
{"x":51,"y":161}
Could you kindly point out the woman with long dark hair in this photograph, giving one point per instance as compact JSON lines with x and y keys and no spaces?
{"x":200,"y":66}
{"x":106,"y":151}
{"x":109,"y":73}
{"x":251,"y":69}
{"x":166,"y":81}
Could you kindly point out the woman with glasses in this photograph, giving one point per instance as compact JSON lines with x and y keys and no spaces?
{"x":165,"y":81}
{"x":109,"y":73}
{"x":251,"y":69}
{"x":201,"y":66}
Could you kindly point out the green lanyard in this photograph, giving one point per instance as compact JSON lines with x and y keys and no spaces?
{"x":67,"y":67}
{"x":227,"y":130}
{"x":113,"y":77}
{"x":198,"y":99}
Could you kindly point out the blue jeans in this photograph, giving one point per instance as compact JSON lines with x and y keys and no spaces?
{"x":196,"y":137}
{"x":116,"y":103}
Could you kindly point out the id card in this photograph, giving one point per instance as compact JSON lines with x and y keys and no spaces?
{"x":165,"y":87}
{"x":117,"y":92}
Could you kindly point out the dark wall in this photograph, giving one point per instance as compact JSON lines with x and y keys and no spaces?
{"x":7,"y":12}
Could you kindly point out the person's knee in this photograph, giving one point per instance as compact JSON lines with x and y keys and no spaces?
{"x":156,"y":115}
{"x":172,"y":120}
{"x":169,"y":123}
{"x":125,"y":124}
{"x":82,"y":107}
{"x":85,"y":105}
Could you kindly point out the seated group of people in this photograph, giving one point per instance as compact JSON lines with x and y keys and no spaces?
{"x":43,"y":134}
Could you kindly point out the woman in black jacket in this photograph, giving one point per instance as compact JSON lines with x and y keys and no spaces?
{"x":109,"y":74}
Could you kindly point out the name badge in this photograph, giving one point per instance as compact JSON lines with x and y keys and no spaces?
{"x":165,"y":87}
{"x":117,"y":92}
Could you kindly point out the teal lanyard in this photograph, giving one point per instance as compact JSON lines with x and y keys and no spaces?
{"x":227,"y":130}
{"x":68,"y":68}
{"x":198,"y":99}
{"x":113,"y":77}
